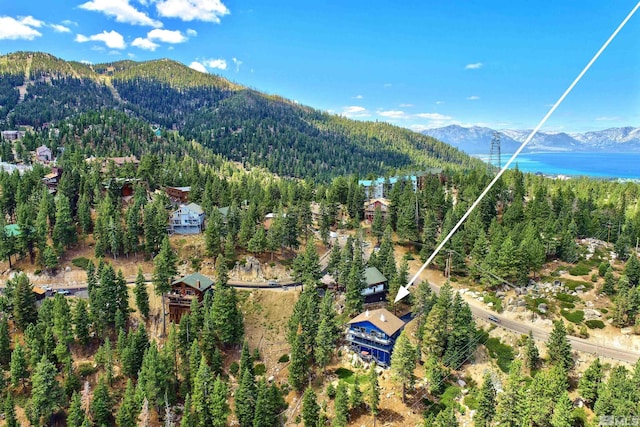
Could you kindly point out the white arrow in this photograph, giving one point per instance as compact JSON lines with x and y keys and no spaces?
{"x":404,"y":290}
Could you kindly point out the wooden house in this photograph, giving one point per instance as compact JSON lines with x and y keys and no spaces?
{"x":178,"y":194}
{"x":183,"y":291}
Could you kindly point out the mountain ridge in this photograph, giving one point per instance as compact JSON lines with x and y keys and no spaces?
{"x":230,"y":119}
{"x":477,"y":139}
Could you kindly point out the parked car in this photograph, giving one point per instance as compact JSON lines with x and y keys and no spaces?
{"x":272,"y":283}
{"x":493,"y":318}
{"x":64,"y":292}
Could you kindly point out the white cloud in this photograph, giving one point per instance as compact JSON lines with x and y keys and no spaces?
{"x":387,"y":85}
{"x":122,"y":11}
{"x":112,"y":39}
{"x":86,"y":62}
{"x":13,"y":29}
{"x":145,"y":44}
{"x":69,"y":22}
{"x":166,"y":36}
{"x":608,"y":119}
{"x":220,"y":64}
{"x":393,"y":114}
{"x":473,"y":66}
{"x":31,"y":21}
{"x":473,"y":98}
{"x":405,"y":105}
{"x":439,"y":102}
{"x":191,"y":32}
{"x":433,"y":116}
{"x":198,"y":67}
{"x":355,"y":111}
{"x":190,"y":10}
{"x":237,"y":63}
{"x":60,"y":28}
{"x":358,"y":97}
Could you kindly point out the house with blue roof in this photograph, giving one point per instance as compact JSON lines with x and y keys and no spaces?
{"x":373,"y":334}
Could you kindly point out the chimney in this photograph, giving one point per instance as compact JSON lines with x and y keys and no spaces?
{"x":382,"y":318}
{"x":366,"y":313}
{"x":198,"y":284}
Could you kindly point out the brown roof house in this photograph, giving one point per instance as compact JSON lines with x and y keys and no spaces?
{"x":184,"y":291}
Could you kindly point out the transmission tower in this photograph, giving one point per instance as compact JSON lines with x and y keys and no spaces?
{"x":494,"y":154}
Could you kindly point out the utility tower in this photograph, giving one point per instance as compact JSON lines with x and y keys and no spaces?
{"x":494,"y":153}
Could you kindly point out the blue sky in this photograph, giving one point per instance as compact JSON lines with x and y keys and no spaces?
{"x":417,"y":64}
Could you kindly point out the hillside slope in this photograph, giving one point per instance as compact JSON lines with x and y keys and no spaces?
{"x":237,"y":122}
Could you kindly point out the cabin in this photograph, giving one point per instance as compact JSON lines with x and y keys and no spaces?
{"x":178,"y":194}
{"x":373,"y":334}
{"x":370,"y":207}
{"x":12,"y":135}
{"x":51,"y":180}
{"x":188,"y":219}
{"x":184,"y":291}
{"x":379,"y":188}
{"x":376,"y":289}
{"x":43,"y":154}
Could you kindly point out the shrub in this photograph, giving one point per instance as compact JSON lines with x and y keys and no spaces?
{"x":573,"y":316}
{"x":256,"y":354}
{"x":259,"y":369}
{"x":80,"y":262}
{"x":233,"y":368}
{"x":502,"y":352}
{"x":85,"y":369}
{"x":331,"y":391}
{"x":566,"y":298}
{"x":594,"y":324}
{"x":284,"y":358}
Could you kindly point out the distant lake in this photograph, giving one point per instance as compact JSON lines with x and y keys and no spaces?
{"x":600,"y":165}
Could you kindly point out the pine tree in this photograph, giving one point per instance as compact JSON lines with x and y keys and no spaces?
{"x":5,"y":343}
{"x":62,"y":320}
{"x":212,"y":233}
{"x":563,"y":412}
{"x":341,"y":406}
{"x":511,"y":404}
{"x":327,"y":335}
{"x":101,"y":404}
{"x":10,"y":412}
{"x":76,"y":415}
{"x":46,"y":393}
{"x":24,"y":302}
{"x":187,"y":416}
{"x":298,"y":368}
{"x":558,"y":346}
{"x":18,"y":365}
{"x":355,"y":396}
{"x":127,"y":413}
{"x":64,"y":231}
{"x":164,"y":269}
{"x":532,"y":355}
{"x":201,"y":389}
{"x":446,"y":418}
{"x":246,"y":397}
{"x":218,"y":406}
{"x":265,"y":411}
{"x":590,"y":382}
{"x":373,"y":392}
{"x":486,"y":403}
{"x":310,"y":408}
{"x":403,"y":362}
{"x":609,"y":284}
{"x":141,"y":294}
{"x":258,"y":243}
{"x":377,"y":225}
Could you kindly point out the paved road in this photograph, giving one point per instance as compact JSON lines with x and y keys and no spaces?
{"x":578,"y":344}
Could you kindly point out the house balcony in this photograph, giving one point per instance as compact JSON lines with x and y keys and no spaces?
{"x":181,"y":300}
{"x":351,"y":334}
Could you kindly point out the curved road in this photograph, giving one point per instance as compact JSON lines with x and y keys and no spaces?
{"x":578,"y":344}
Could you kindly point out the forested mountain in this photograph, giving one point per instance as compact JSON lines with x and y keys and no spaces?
{"x":239,"y":123}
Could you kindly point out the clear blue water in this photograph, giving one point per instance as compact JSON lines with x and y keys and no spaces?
{"x":601,"y":165}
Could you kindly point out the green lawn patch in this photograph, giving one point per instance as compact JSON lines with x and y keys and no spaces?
{"x":573,"y":316}
{"x":567,"y":298}
{"x":502,"y":352}
{"x":345,"y":375}
{"x":594,"y":324}
{"x":581,"y":269}
{"x":572,"y":284}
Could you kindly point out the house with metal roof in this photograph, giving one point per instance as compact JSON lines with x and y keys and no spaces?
{"x":188,"y":219}
{"x":373,"y":334}
{"x":376,"y":288}
{"x":184,"y":291}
